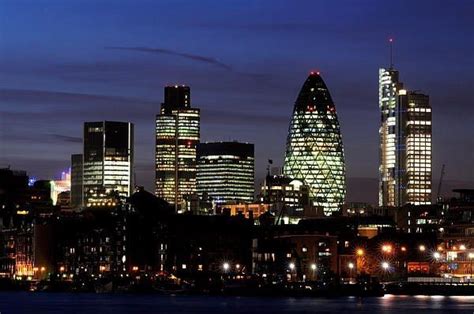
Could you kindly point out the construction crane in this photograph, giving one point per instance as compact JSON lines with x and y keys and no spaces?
{"x":440,"y":183}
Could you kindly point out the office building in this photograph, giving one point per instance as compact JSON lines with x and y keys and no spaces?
{"x":405,"y":173}
{"x":76,"y":181}
{"x":107,"y":162}
{"x":314,"y":151}
{"x":225,"y":172}
{"x":177,"y":134}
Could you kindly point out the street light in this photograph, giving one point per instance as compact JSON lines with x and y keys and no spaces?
{"x":360,"y":252}
{"x":226,"y":266}
{"x":385,"y":266}
{"x":436,"y":255}
{"x":422,"y":248}
{"x":387,"y":248}
{"x":313,"y":266}
{"x":351,"y":265}
{"x":292,"y":266}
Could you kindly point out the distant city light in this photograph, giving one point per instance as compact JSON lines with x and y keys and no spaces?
{"x":226,"y":266}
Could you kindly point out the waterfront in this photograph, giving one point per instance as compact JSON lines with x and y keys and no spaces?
{"x":25,"y":302}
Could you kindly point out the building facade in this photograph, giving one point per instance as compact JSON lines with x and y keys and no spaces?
{"x":107,"y":162}
{"x":76,"y":181}
{"x":225,"y":172}
{"x":177,"y":134}
{"x":314,"y":151}
{"x":405,"y":173}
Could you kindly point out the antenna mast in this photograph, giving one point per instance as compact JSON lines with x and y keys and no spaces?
{"x":390,"y":40}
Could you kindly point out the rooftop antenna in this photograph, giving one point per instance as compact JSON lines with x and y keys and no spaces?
{"x":390,"y":40}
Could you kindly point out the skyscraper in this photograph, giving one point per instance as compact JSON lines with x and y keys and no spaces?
{"x":414,"y":157}
{"x":225,"y":172}
{"x":389,"y":86}
{"x":405,"y":143}
{"x":107,"y":162}
{"x":177,"y":134}
{"x":314,"y":150}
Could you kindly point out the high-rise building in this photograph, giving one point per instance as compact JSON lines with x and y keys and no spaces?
{"x":225,"y":172}
{"x":107,"y":162}
{"x":389,"y":86}
{"x":314,"y":150}
{"x":414,"y":153}
{"x":76,"y":181}
{"x":177,"y":134}
{"x":405,"y":143}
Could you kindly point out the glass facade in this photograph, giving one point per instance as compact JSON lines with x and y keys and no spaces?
{"x":225,"y":172}
{"x":314,"y":151}
{"x":177,"y":134}
{"x":405,"y":144}
{"x":388,"y":98}
{"x":107,"y":162}
{"x":414,"y":167}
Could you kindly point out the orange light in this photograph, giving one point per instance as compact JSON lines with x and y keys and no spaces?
{"x":360,"y":252}
{"x":135,"y":268}
{"x":403,"y":249}
{"x":387,"y":248}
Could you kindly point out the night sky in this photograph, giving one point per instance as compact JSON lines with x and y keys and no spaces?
{"x":66,"y":62}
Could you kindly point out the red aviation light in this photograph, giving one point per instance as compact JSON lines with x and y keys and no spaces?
{"x":314,"y":73}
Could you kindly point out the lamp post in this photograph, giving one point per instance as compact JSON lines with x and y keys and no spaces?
{"x":351,"y":267}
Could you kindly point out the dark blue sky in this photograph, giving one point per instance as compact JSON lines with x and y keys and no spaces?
{"x":245,"y":62}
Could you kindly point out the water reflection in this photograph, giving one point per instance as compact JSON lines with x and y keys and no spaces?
{"x":21,"y":302}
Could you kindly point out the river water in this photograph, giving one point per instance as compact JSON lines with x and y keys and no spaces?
{"x":26,"y":302}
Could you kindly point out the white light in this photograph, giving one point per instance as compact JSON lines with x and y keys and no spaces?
{"x":385,"y":265}
{"x":226,"y":266}
{"x":351,"y":265}
{"x":292,"y":266}
{"x":436,"y":255}
{"x":313,"y":266}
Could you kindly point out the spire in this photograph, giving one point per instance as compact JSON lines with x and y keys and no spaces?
{"x":390,"y":41}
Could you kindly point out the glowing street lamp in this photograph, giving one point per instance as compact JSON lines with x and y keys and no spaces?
{"x":226,"y":266}
{"x":350,"y":265}
{"x":360,"y":252}
{"x":313,"y":267}
{"x":422,"y":248}
{"x":387,"y":248}
{"x":385,"y":266}
{"x":292,"y":266}
{"x":436,"y":255}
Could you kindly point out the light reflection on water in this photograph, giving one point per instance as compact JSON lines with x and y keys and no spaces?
{"x":23,"y":302}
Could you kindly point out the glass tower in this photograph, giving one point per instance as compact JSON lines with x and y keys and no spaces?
{"x":414,"y":157}
{"x":314,"y":150}
{"x":388,"y":98}
{"x":177,"y":134}
{"x":405,"y":143}
{"x":225,"y":172}
{"x":108,"y":162}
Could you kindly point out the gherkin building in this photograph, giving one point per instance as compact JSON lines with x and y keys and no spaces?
{"x":314,"y":150}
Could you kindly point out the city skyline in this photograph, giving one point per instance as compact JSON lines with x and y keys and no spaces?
{"x":245,"y":93}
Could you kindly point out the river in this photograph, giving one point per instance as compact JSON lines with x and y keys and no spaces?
{"x":28,"y":302}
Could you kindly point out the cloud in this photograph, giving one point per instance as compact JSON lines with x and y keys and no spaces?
{"x":66,"y":138}
{"x":199,"y":58}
